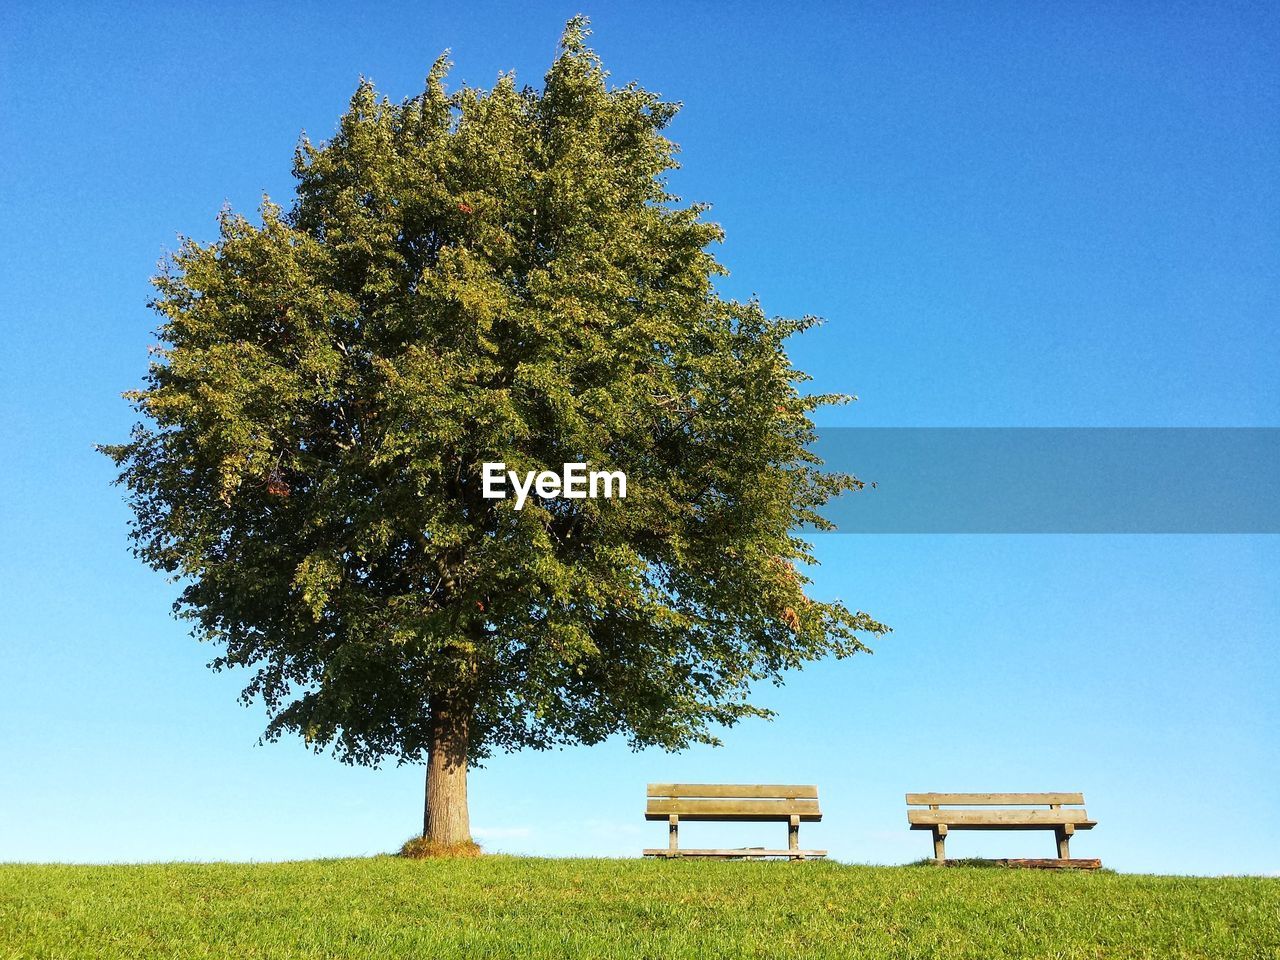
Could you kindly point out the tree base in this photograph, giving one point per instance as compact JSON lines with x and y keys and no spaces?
{"x":420,"y":848}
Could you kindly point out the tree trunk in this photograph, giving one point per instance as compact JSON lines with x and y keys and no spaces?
{"x":445,"y":819}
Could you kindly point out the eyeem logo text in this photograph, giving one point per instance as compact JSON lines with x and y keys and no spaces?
{"x":574,"y":483}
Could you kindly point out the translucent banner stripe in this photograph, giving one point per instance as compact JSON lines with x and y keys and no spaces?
{"x":1056,"y":479}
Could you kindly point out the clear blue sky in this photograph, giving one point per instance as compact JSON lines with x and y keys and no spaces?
{"x":1010,"y":217}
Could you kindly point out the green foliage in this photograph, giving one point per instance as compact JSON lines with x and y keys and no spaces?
{"x":501,"y":907}
{"x":471,"y":276}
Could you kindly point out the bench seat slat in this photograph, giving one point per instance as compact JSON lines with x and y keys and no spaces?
{"x":998,"y":819}
{"x":742,"y":810}
{"x":993,"y":799}
{"x":766,"y":791}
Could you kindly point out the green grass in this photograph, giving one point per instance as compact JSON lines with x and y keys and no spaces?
{"x":514,"y":907}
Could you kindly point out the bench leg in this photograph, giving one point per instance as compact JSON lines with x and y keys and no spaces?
{"x":794,"y":836}
{"x":673,"y":836}
{"x":1063,"y":835}
{"x":940,"y":842}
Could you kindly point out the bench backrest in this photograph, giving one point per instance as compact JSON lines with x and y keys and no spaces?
{"x":1062,"y":808}
{"x":994,"y":799}
{"x":732,"y":801}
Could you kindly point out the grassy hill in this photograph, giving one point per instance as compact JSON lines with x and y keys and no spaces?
{"x":516,"y":907}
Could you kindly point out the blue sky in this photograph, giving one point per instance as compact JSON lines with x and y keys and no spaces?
{"x":1008,"y":218}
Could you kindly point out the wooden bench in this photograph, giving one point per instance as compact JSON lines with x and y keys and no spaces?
{"x":733,"y":802}
{"x":1060,"y":817}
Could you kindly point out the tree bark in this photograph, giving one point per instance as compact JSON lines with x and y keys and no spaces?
{"x":445,"y":819}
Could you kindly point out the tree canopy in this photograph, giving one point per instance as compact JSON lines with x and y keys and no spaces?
{"x":467,"y":277}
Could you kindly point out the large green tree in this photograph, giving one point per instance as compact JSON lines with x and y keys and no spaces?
{"x":471,"y":277}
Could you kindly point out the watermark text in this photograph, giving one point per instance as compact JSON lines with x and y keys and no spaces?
{"x":574,"y":482}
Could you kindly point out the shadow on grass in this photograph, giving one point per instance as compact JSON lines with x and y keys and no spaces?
{"x":983,"y":863}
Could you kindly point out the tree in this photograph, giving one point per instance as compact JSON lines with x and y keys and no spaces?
{"x":482,"y":276}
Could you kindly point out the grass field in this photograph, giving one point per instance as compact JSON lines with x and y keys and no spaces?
{"x":516,"y":907}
